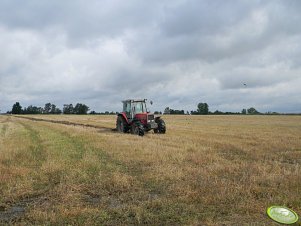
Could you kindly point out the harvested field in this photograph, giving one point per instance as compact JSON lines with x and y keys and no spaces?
{"x":206,"y":170}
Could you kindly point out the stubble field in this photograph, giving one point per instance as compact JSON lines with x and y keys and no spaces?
{"x":206,"y":170}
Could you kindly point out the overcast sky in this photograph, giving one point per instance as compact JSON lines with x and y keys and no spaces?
{"x":177,"y":53}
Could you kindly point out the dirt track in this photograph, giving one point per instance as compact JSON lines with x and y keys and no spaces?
{"x":67,"y":123}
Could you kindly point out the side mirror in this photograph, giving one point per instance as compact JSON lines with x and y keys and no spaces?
{"x":151,"y":102}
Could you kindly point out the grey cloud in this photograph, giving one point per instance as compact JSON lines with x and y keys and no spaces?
{"x":176,"y":53}
{"x":81,"y":20}
{"x":215,"y":30}
{"x":203,"y":18}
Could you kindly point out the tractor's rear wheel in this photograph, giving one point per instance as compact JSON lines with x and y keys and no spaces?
{"x":137,"y":128}
{"x":121,"y":125}
{"x":161,"y":126}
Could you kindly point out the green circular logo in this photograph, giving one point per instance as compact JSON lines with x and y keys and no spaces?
{"x":282,"y":214}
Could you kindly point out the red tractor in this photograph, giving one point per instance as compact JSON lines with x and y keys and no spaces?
{"x":136,"y":119}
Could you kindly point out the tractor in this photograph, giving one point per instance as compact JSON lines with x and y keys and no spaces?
{"x":137,"y":119}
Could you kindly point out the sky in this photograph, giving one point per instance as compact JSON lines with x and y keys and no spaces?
{"x":176,"y":53}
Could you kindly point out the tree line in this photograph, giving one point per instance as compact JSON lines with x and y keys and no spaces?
{"x":49,"y":108}
{"x":203,"y":109}
{"x":103,"y":113}
{"x":82,"y":109}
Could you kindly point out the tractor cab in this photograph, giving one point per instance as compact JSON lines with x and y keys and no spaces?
{"x":133,"y":107}
{"x":137,"y":119}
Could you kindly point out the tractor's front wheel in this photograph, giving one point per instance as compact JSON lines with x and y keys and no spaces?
{"x":121,"y":125}
{"x":137,"y":129}
{"x":161,"y":126}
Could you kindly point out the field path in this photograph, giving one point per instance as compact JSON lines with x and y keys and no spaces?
{"x":67,"y":123}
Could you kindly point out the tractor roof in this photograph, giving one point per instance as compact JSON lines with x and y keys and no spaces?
{"x":134,"y":100}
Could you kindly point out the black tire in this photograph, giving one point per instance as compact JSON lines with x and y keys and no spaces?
{"x":161,"y":126}
{"x":121,"y":125}
{"x":137,"y":129}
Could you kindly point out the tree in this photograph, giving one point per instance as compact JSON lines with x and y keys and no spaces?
{"x":244,"y":111}
{"x":47,"y":108}
{"x":40,"y":110}
{"x":217,"y":112}
{"x":33,"y":110}
{"x":177,"y":112}
{"x":17,"y":108}
{"x":167,"y":111}
{"x":81,"y":109}
{"x":68,"y":109}
{"x":252,"y":111}
{"x":51,"y":109}
{"x":55,"y":110}
{"x":203,"y":109}
{"x":173,"y":111}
